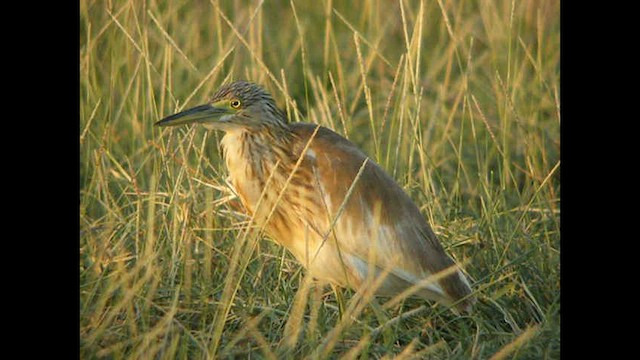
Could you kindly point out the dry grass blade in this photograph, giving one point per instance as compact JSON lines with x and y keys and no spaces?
{"x":367,"y":96}
{"x":172,"y":42}
{"x":133,"y":42}
{"x":518,"y":342}
{"x":359,"y":35}
{"x":294,"y":325}
{"x":91,"y":117}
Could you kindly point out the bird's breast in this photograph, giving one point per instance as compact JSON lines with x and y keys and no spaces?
{"x":263,"y":178}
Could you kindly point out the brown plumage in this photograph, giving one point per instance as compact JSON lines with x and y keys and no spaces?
{"x":304,"y":203}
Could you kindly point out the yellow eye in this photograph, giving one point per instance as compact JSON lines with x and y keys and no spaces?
{"x":235,"y":103}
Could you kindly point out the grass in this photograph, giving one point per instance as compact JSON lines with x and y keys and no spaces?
{"x":457,"y":100}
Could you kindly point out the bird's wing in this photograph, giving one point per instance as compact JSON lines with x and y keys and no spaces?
{"x":377,"y":215}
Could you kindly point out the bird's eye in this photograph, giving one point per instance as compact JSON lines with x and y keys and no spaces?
{"x":235,"y":103}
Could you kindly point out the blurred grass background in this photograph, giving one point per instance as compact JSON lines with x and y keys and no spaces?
{"x":457,"y":100}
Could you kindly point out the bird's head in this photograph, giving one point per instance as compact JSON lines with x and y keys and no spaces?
{"x":240,"y":105}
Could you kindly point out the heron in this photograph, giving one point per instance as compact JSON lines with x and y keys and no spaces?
{"x":330,"y":205}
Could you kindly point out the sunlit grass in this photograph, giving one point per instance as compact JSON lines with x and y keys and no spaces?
{"x":457,"y":100}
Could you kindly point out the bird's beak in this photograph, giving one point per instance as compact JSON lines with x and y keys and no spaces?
{"x":199,"y":114}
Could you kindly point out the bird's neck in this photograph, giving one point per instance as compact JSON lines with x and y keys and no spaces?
{"x":251,"y":158}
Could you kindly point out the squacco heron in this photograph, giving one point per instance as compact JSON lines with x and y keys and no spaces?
{"x":314,"y":192}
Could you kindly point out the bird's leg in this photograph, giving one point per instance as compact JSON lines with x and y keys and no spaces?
{"x":340,"y":299}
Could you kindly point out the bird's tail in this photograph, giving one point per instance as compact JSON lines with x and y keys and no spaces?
{"x":458,"y":291}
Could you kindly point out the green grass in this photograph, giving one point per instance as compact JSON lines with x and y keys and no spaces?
{"x":457,"y":100}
